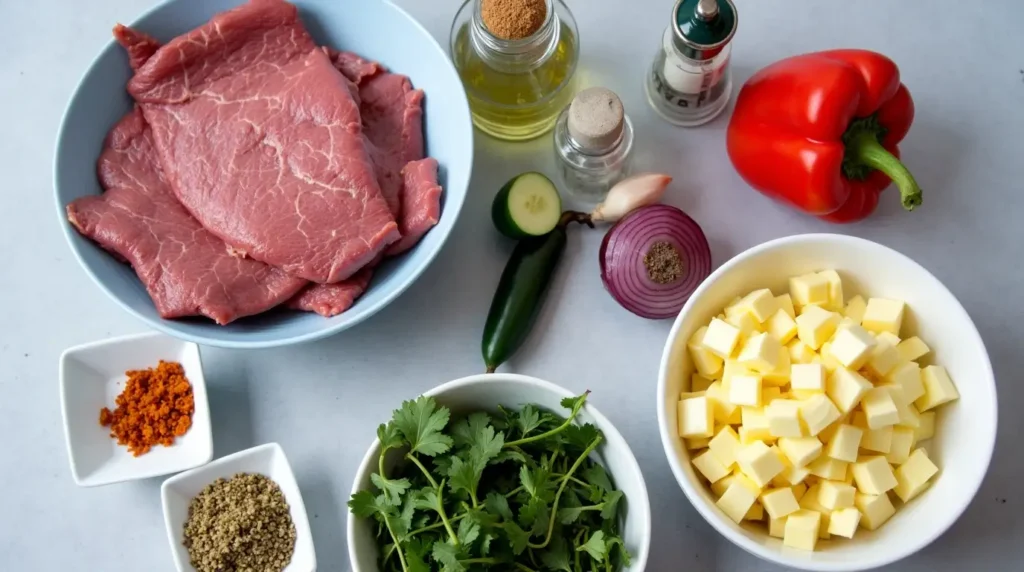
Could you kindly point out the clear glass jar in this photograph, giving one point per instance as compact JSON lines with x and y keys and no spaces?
{"x":516,"y":88}
{"x":588,"y":172}
{"x":690,"y":82}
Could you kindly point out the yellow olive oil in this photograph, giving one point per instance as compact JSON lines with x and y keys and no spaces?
{"x":518,"y":105}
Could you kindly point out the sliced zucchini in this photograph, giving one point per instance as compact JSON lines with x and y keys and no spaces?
{"x":528,"y":205}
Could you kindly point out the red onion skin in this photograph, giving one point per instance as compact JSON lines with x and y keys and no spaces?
{"x":674,"y":227}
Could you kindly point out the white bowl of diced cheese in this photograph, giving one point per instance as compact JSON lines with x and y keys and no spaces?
{"x":826,"y":403}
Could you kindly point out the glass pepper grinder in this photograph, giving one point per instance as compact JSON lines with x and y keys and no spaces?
{"x":593,"y":144}
{"x":689,"y":83}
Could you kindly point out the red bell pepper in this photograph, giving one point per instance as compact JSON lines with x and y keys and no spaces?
{"x":819,"y":131}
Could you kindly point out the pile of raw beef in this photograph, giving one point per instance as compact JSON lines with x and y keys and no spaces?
{"x":259,"y":169}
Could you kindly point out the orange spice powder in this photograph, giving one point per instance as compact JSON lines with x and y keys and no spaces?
{"x":155,"y":407}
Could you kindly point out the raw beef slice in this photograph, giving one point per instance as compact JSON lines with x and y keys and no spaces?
{"x":262,"y":142}
{"x":186,"y":270}
{"x":421,"y":202}
{"x":332,"y":299}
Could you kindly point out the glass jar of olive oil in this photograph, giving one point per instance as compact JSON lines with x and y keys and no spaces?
{"x":516,"y":88}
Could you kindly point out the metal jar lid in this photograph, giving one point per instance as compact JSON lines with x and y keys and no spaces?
{"x":703,"y":27}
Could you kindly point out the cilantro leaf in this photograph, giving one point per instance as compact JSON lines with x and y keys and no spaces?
{"x":517,"y":537}
{"x":574,"y":404}
{"x":528,"y":420}
{"x":465,"y":476}
{"x":389,"y":435}
{"x":536,"y":482}
{"x":392,"y":489}
{"x":421,"y":422}
{"x":485,"y":543}
{"x":448,"y":556}
{"x":426,"y":499}
{"x":364,"y":504}
{"x":611,"y":505}
{"x":469,"y":530}
{"x":443,"y":465}
{"x":416,"y":552}
{"x":614,"y":541}
{"x":465,"y":430}
{"x":509,"y":455}
{"x":556,"y":557}
{"x":403,"y":524}
{"x":569,"y":515}
{"x":486,"y":445}
{"x":595,"y":547}
{"x":534,"y":516}
{"x":497,"y":505}
{"x":596,"y":475}
{"x":581,"y":436}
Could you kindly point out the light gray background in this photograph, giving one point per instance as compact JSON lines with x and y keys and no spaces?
{"x":963,"y":62}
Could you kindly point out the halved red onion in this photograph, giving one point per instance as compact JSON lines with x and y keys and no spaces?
{"x":653,"y":259}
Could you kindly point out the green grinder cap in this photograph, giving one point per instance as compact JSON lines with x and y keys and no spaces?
{"x":703,"y":27}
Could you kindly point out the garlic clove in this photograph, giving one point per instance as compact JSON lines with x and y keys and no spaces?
{"x":630,"y":194}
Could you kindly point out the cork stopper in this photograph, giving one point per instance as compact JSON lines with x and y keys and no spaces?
{"x":596,"y":118}
{"x":513,"y":19}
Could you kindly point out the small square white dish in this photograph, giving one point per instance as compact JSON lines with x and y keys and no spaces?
{"x":268,"y":460}
{"x":91,"y":378}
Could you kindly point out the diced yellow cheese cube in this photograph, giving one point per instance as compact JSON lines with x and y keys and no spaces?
{"x":908,"y":376}
{"x":809,"y":289}
{"x":888,"y":337}
{"x":759,"y":463}
{"x":784,"y":418}
{"x":912,"y":349}
{"x":798,"y":490}
{"x":760,"y":353}
{"x":738,"y":498}
{"x":709,"y":466}
{"x":777,"y":527}
{"x":745,"y":323}
{"x":697,"y":444}
{"x":873,"y":475}
{"x":828,"y":468}
{"x":855,"y":309}
{"x":913,"y":475}
{"x":815,"y":326}
{"x":756,"y":513}
{"x":707,"y":363}
{"x":875,"y":510}
{"x":780,"y":375}
{"x":786,"y":305}
{"x":807,"y":377}
{"x":938,"y":388}
{"x":696,"y":417}
{"x":879,"y":408}
{"x":926,"y":430}
{"x":791,"y":475}
{"x":800,"y":352}
{"x":735,"y":418}
{"x":781,"y":326}
{"x":852,"y":346}
{"x":883,"y":315}
{"x":779,"y":503}
{"x":770,"y":393}
{"x":884,"y":358}
{"x":719,"y":487}
{"x":818,"y":412}
{"x":750,"y":435}
{"x":835,"y":290}
{"x":909,"y":417}
{"x":760,"y":303}
{"x":724,"y":446}
{"x":902,"y":442}
{"x":877,"y":440}
{"x":845,"y":443}
{"x":719,"y":398}
{"x":846,"y":388}
{"x":745,"y":389}
{"x":835,"y":495}
{"x":843,"y":522}
{"x":699,"y":383}
{"x":721,"y":338}
{"x":800,"y":451}
{"x":802,"y":529}
{"x":689,"y":394}
{"x":810,"y":502}
{"x":829,"y":432}
{"x":826,"y":358}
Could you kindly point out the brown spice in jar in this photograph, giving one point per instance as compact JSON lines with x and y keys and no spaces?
{"x":155,"y":407}
{"x":513,"y":19}
{"x":663,"y":263}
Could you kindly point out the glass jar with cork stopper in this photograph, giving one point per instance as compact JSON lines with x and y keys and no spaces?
{"x":517,"y":60}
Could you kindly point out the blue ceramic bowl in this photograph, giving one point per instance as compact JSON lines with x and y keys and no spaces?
{"x":374,"y":28}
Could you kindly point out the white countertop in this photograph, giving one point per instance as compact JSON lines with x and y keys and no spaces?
{"x":963,"y":62}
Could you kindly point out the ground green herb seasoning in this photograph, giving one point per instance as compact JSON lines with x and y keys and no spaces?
{"x":240,"y":524}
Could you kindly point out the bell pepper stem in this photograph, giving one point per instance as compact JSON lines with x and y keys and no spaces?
{"x":865,"y":149}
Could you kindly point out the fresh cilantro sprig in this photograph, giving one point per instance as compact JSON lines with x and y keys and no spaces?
{"x":516,"y":490}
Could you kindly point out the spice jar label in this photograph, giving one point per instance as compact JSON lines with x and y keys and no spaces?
{"x":704,"y":83}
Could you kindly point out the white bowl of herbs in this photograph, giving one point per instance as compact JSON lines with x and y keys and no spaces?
{"x":498,"y":472}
